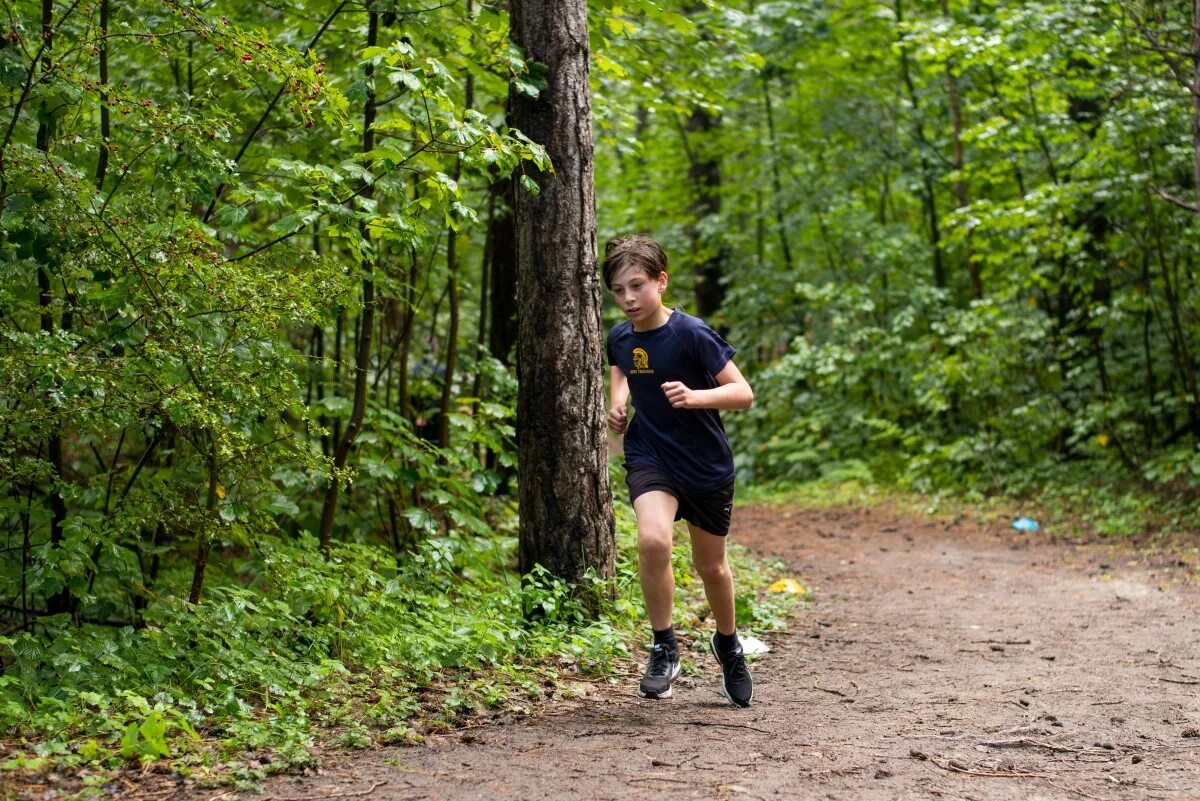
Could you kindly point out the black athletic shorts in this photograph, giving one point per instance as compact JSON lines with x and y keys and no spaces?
{"x":709,"y":510}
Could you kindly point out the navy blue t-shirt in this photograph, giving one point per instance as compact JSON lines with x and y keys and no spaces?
{"x":689,"y":444}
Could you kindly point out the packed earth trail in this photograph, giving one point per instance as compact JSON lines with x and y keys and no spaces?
{"x":938,"y":660}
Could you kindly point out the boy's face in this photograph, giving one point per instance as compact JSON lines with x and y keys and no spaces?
{"x":638,"y":295}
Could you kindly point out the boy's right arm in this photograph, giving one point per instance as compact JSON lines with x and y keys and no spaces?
{"x":618,"y":393}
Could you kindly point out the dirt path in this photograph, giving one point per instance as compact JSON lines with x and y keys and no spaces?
{"x":942,"y":662}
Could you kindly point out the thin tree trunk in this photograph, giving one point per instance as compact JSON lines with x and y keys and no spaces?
{"x":704,"y":174}
{"x":1106,"y":392}
{"x":102,"y":163}
{"x":502,"y":236}
{"x":403,"y":394}
{"x":447,"y":399}
{"x":1196,"y":100}
{"x":339,"y":335}
{"x":63,"y":600}
{"x":566,"y":520}
{"x":366,"y":323}
{"x":958,"y":161}
{"x":928,"y":196}
{"x":776,"y":181}
{"x":1177,"y":336}
{"x":760,"y":230}
{"x":1148,"y":359}
{"x":204,"y":539}
{"x":26,"y":563}
{"x":482,"y":330}
{"x":319,"y":380}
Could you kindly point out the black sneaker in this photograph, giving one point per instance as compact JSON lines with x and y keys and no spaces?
{"x":662,"y":670}
{"x":735,"y":677}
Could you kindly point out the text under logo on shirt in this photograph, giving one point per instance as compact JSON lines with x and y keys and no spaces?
{"x":641,"y":362}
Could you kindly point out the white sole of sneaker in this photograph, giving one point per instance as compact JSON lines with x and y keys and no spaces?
{"x":668,"y":693}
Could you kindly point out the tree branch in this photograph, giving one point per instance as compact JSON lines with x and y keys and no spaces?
{"x":1175,"y":201}
{"x":267,"y":113}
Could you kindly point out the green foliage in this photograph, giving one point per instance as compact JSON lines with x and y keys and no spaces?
{"x":346,"y":650}
{"x":954,"y":246}
{"x":183,"y":247}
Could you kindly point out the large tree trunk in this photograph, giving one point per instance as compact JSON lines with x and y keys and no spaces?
{"x":566,"y":505}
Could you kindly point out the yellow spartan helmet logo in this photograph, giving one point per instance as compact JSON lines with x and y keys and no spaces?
{"x":641,"y":359}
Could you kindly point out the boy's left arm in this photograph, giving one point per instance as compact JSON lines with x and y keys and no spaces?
{"x":732,"y":392}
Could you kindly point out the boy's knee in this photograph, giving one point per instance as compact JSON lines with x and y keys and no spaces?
{"x":711,"y":569}
{"x":654,"y":547}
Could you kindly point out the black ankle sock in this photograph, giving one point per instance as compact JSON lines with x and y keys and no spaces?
{"x":666,"y":637}
{"x":726,"y":642}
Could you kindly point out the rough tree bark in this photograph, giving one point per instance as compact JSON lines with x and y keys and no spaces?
{"x":566,"y":505}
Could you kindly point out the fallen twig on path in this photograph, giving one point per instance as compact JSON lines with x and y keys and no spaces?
{"x":356,"y":794}
{"x":1029,"y":741}
{"x":597,"y":733}
{"x":993,"y":774}
{"x":716,"y":725}
{"x":151,"y":796}
{"x":654,"y":778}
{"x":1178,"y":681}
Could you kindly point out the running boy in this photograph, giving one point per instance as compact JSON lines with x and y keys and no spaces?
{"x":678,"y":462}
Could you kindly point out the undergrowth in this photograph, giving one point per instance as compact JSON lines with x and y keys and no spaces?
{"x":1080,"y":508}
{"x":308,"y":653}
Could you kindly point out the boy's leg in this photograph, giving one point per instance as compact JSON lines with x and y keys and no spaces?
{"x":711,"y":562}
{"x":656,"y":520}
{"x":655,"y":512}
{"x":708,"y":557}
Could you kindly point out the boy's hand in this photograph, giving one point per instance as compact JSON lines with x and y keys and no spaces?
{"x":678,"y":395}
{"x":618,"y":419}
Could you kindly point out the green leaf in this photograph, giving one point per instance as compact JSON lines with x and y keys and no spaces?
{"x":530,"y":185}
{"x":13,"y":69}
{"x":154,"y":730}
{"x":422,"y":520}
{"x":408,"y":78}
{"x":129,"y":741}
{"x":232,"y":215}
{"x":282,"y":505}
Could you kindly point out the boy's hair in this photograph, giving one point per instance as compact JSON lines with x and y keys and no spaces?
{"x":635,"y":249}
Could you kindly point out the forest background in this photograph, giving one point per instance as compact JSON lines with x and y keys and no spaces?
{"x":258,"y":323}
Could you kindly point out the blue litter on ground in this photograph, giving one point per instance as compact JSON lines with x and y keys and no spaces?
{"x":1025,"y":524}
